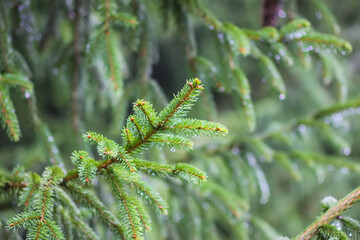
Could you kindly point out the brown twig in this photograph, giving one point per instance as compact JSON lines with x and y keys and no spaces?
{"x":341,"y":206}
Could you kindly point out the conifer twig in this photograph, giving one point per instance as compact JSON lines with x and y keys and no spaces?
{"x":332,"y":213}
{"x":193,"y":86}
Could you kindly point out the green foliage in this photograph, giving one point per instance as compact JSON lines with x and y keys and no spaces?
{"x":282,"y":90}
{"x":8,"y":117}
{"x":38,"y":219}
{"x":120,"y":168}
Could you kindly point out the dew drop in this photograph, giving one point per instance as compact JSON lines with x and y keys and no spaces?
{"x":282,"y":14}
{"x":205,"y":205}
{"x":235,"y":150}
{"x":71,"y":15}
{"x":357,"y":110}
{"x":55,"y":71}
{"x":211,"y":27}
{"x":318,"y":15}
{"x":320,"y":179}
{"x":263,"y":200}
{"x":27,"y":95}
{"x":251,"y":159}
{"x":345,"y":171}
{"x":55,"y":150}
{"x":302,"y":128}
{"x":346,"y":151}
{"x":282,"y":96}
{"x":38,"y":37}
{"x":50,"y":139}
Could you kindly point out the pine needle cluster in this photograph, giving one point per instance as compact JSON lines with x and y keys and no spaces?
{"x":84,"y":63}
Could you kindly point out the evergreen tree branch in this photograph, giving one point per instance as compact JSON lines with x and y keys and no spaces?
{"x":32,"y":189}
{"x":320,"y":114}
{"x":43,"y":130}
{"x":81,"y":226}
{"x":8,"y":117}
{"x":108,"y":43}
{"x":332,"y":213}
{"x":89,"y":199}
{"x":125,"y":204}
{"x":177,"y":108}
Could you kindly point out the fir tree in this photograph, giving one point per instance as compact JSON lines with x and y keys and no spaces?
{"x":77,"y":163}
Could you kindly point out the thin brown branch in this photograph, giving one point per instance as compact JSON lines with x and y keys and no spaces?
{"x":335,"y":211}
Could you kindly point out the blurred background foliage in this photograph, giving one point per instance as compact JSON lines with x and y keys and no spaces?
{"x":263,"y":183}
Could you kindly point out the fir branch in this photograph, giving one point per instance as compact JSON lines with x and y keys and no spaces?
{"x":38,"y":222}
{"x":11,"y":79}
{"x":109,"y":41}
{"x":66,"y":200}
{"x":222,"y":198}
{"x":124,"y":18}
{"x":182,"y":170}
{"x":339,"y":208}
{"x":28,"y":192}
{"x":330,"y":231}
{"x":326,"y":39}
{"x":148,"y":110}
{"x":146,"y":191}
{"x":189,"y":173}
{"x":318,"y":115}
{"x":43,"y":130}
{"x":193,"y":127}
{"x":270,"y":70}
{"x":127,"y":212}
{"x":89,"y":199}
{"x":55,"y":231}
{"x":23,"y":219}
{"x":8,"y":117}
{"x":290,"y":29}
{"x":327,"y":15}
{"x":153,"y":168}
{"x":79,"y":225}
{"x":243,"y":89}
{"x":177,"y":108}
{"x":171,"y":141}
